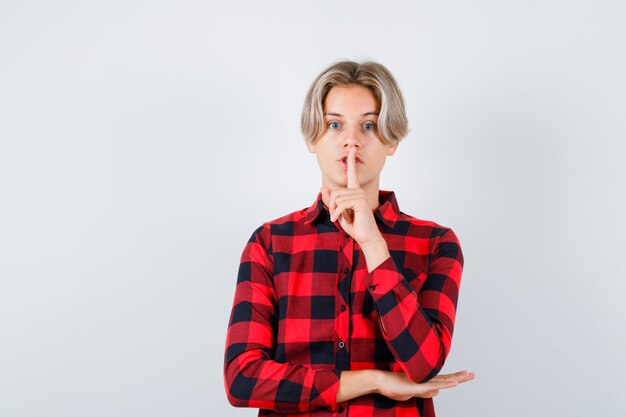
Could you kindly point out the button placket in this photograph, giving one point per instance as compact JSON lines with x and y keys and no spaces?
{"x":345,"y":272}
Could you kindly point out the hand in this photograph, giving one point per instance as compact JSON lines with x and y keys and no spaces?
{"x":350,"y":207}
{"x":399,"y":387}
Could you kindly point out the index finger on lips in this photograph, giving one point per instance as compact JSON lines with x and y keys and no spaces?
{"x":353,"y":179}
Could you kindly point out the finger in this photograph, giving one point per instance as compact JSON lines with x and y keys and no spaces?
{"x":456,"y":380}
{"x":430,"y":394}
{"x":347,"y":203}
{"x":467,"y":377}
{"x":345,"y":208}
{"x":462,"y":376}
{"x":332,"y":195}
{"x":430,"y":385}
{"x":449,"y":383}
{"x":325,"y":193}
{"x":347,"y":216}
{"x":353,"y":180}
{"x":427,"y":390}
{"x":446,"y":377}
{"x":336,"y":209}
{"x":334,"y":199}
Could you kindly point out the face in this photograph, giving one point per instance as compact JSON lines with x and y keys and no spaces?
{"x":351,"y":119}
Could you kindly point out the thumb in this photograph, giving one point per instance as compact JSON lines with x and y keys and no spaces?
{"x":325,"y":192}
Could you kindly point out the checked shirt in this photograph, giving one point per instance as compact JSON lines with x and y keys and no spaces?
{"x":306,"y":308}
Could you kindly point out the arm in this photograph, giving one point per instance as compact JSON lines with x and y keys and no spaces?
{"x":252,"y":377}
{"x":417,"y":326}
{"x":394,"y":385}
{"x":354,"y":384}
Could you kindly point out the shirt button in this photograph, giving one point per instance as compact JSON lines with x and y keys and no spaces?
{"x":347,"y":236}
{"x":346,"y":270}
{"x":341,"y":345}
{"x":343,"y":308}
{"x":371,"y":288}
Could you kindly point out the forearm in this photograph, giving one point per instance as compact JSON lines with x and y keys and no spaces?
{"x":255,"y":380}
{"x":375,"y":252}
{"x":354,"y":384}
{"x":252,"y":375}
{"x":416,"y":317}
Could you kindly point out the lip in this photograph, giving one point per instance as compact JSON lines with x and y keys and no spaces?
{"x":345,"y":163}
{"x":357,"y":159}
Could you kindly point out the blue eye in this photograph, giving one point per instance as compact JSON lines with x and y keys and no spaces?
{"x":334,"y":125}
{"x":369,"y":126}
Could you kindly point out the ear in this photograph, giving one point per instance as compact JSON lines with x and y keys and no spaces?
{"x":392,"y":149}
{"x":310,"y":146}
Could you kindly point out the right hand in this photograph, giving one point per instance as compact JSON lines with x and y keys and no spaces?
{"x":399,"y":387}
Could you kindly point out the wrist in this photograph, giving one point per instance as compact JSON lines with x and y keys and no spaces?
{"x":354,"y":384}
{"x":375,"y":244}
{"x":376,"y":252}
{"x":377,"y":377}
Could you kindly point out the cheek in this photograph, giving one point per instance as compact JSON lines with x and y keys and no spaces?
{"x":323,"y":159}
{"x":377,"y":163}
{"x":326,"y":156}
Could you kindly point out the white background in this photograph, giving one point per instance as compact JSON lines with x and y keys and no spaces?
{"x":142,"y":142}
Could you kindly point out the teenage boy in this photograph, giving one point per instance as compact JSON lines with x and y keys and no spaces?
{"x":346,"y":307}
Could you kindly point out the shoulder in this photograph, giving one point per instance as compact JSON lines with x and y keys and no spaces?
{"x":289,"y":224}
{"x":442,"y":240}
{"x":423,"y":228}
{"x":283,"y":226}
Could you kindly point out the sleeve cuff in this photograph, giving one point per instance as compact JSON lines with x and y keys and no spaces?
{"x":325,"y":388}
{"x":382,"y":279}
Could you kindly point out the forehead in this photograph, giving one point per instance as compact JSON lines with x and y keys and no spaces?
{"x":350,"y":99}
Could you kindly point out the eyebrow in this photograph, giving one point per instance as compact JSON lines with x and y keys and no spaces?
{"x":374,"y":113}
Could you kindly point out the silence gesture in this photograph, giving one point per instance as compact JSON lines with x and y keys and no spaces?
{"x":350,"y":207}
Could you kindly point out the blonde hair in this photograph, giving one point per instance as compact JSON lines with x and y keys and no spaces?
{"x":392,"y":121}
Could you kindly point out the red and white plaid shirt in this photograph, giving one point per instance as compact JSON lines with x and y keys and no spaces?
{"x":305,"y":308}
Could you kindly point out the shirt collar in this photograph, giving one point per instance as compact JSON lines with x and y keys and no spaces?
{"x":387,"y":211}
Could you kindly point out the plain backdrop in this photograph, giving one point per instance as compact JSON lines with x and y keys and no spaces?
{"x":142,"y":142}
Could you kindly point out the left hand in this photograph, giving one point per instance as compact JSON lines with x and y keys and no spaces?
{"x":350,"y":206}
{"x":398,"y":386}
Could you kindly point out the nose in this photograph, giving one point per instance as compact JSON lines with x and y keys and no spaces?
{"x":352,"y":137}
